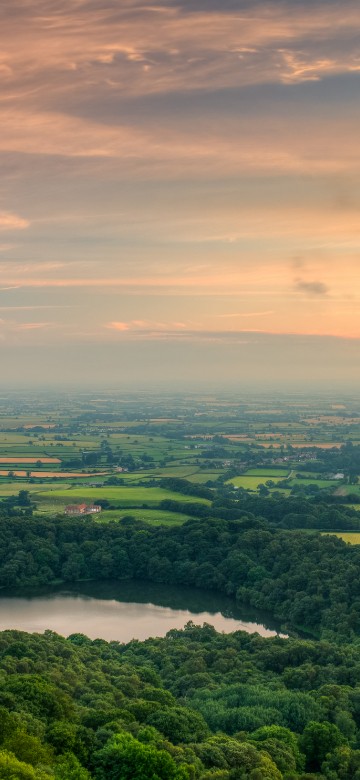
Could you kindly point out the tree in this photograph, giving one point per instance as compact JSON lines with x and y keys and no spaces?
{"x":12,"y":769}
{"x":317,"y":741}
{"x":68,"y":767}
{"x":180,"y":724}
{"x":28,"y":748}
{"x":279,"y":735}
{"x":24,"y":498}
{"x":125,"y":758}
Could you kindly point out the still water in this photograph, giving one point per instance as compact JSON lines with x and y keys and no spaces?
{"x":125,"y":611}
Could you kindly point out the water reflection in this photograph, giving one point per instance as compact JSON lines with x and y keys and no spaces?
{"x":124,"y":611}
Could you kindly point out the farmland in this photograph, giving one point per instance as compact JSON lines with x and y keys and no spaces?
{"x":119,"y":497}
{"x":126,"y":451}
{"x":350,"y":538}
{"x":251,"y":482}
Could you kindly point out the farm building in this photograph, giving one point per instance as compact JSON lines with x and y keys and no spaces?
{"x":82,"y":509}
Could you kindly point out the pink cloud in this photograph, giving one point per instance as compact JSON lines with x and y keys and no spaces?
{"x":119,"y":326}
{"x":32,"y":325}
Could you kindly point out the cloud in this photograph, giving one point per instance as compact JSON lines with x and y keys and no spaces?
{"x":314,"y":288}
{"x":7,"y":247}
{"x":15,"y":332}
{"x":171,"y":158}
{"x":119,"y":326}
{"x":207,"y":147}
{"x":33,"y":325}
{"x":145,"y":327}
{"x":70,"y":68}
{"x":138,"y":48}
{"x":247,"y":314}
{"x":9,"y":221}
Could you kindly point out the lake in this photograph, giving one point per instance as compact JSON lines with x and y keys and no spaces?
{"x":125,"y":611}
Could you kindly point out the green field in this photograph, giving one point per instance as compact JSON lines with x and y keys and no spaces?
{"x":269,"y":473}
{"x":251,"y":483}
{"x":346,"y":490}
{"x":201,"y":477}
{"x":321,"y":483}
{"x":11,"y":488}
{"x":123,"y":497}
{"x":150,"y":516}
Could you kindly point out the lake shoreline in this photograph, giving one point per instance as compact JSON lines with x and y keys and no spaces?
{"x":135,"y":605}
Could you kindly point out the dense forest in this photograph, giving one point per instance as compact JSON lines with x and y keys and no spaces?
{"x":195,"y":705}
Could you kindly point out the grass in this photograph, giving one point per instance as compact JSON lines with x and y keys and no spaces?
{"x":251,"y":483}
{"x":153,"y":517}
{"x":12,"y":488}
{"x":201,"y":477}
{"x":122,"y":496}
{"x":268,"y":473}
{"x":322,"y":483}
{"x":345,"y":490}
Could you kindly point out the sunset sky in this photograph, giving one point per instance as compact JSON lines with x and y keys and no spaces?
{"x":179,"y":191}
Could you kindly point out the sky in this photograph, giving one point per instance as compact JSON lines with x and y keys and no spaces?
{"x":180,"y":192}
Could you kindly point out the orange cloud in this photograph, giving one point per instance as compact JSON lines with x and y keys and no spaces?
{"x":54,"y":58}
{"x":10,"y":221}
{"x":144,"y":326}
{"x":32,"y":325}
{"x":119,"y":326}
{"x":81,"y":82}
{"x":137,"y":48}
{"x":290,"y":145}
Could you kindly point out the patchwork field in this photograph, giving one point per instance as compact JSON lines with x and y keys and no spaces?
{"x":130,"y":440}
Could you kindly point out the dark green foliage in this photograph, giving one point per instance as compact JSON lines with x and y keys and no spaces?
{"x":319,"y":740}
{"x":125,"y":758}
{"x":179,"y":724}
{"x":307,"y":581}
{"x":187,"y":488}
{"x":91,"y":709}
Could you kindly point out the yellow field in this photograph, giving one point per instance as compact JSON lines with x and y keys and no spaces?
{"x":351,"y":537}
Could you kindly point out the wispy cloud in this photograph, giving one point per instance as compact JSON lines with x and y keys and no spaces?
{"x":138,"y":48}
{"x":33,"y":325}
{"x":145,"y":326}
{"x":246,"y":314}
{"x":67,"y":70}
{"x":161,"y":164}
